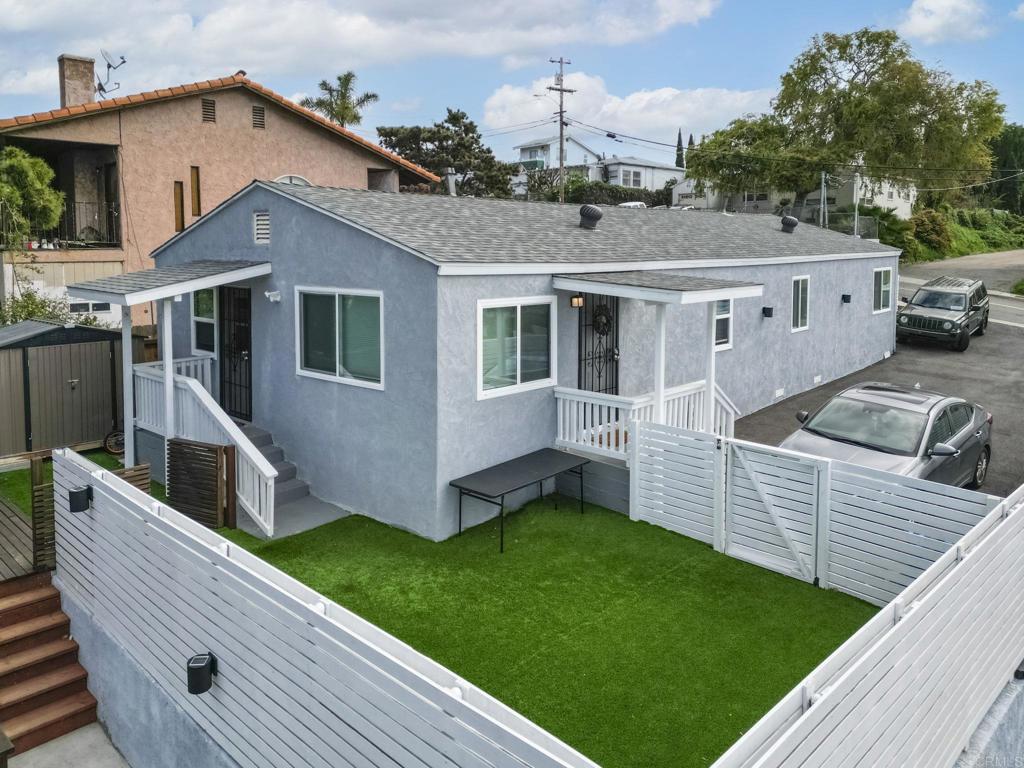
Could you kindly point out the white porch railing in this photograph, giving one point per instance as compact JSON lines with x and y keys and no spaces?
{"x":599,"y":423}
{"x":197,"y":416}
{"x":199,"y":368}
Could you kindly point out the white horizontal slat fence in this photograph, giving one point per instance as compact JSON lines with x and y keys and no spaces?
{"x":301,"y":680}
{"x":864,"y":532}
{"x":912,"y":685}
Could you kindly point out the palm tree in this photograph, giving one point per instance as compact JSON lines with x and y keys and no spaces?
{"x":336,"y":101}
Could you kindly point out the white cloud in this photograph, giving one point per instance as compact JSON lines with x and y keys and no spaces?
{"x":935,"y":21}
{"x":1019,"y":13}
{"x":651,"y":114}
{"x":174,"y":41}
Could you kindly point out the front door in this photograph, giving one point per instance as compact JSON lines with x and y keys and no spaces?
{"x":236,"y":352}
{"x":599,"y":344}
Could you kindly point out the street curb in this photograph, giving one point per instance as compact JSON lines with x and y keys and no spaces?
{"x":1000,"y":294}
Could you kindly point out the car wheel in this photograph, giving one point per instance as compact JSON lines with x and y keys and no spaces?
{"x":963,"y":341}
{"x":980,"y":469}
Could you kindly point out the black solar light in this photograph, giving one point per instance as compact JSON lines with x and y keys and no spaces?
{"x":767,"y":311}
{"x":201,"y":669}
{"x":80,"y":499}
{"x":847,"y":298}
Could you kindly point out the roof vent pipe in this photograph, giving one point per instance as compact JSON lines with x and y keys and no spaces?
{"x":789,"y":223}
{"x":589,"y":216}
{"x":449,"y":176}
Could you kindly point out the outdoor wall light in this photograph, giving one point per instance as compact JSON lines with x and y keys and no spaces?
{"x":273,"y":296}
{"x":847,"y":298}
{"x":80,"y":499}
{"x":201,"y":670}
{"x":576,"y":302}
{"x":767,"y":311}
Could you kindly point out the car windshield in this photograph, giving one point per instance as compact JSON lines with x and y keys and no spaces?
{"x":939,"y":300}
{"x":872,"y":425}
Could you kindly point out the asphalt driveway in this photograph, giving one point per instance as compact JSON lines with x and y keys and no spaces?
{"x":999,"y":270}
{"x":990,"y":372}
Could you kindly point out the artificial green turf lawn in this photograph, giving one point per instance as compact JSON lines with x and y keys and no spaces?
{"x":16,"y":485}
{"x":637,"y":646}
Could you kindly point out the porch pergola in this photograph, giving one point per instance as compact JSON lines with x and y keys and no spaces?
{"x":166,"y":285}
{"x":663,"y":288}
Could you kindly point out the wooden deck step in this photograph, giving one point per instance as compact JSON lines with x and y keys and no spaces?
{"x":50,"y":721}
{"x":39,"y":659}
{"x":20,"y":584}
{"x":31,"y":632}
{"x":28,"y":604}
{"x":38,"y":691}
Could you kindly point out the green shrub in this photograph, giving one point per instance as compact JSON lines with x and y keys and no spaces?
{"x":932,"y":229}
{"x":1018,"y":288}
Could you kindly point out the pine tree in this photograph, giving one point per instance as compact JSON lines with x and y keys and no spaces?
{"x":680,"y":153}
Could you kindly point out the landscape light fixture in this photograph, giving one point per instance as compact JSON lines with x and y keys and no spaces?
{"x":80,"y":499}
{"x":201,"y":670}
{"x":576,"y":302}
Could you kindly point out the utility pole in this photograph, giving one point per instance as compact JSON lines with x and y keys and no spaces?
{"x":562,"y":90}
{"x":822,"y":202}
{"x":856,"y":203}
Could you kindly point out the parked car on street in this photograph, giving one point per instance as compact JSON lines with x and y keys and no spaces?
{"x":905,"y":430}
{"x":946,"y":309}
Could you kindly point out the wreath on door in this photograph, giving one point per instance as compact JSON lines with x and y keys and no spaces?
{"x":602,"y":320}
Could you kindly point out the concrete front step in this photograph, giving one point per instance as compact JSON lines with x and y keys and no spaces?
{"x":290,"y":490}
{"x":257,"y":435}
{"x":285,"y":471}
{"x":272,"y":453}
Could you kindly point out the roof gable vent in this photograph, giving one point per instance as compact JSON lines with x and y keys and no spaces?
{"x":589,"y":216}
{"x":259,"y":116}
{"x":789,"y":223}
{"x":261,"y":227}
{"x":209,"y":110}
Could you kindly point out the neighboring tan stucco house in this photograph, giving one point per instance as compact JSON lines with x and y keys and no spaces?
{"x":392,"y":343}
{"x":137,"y":168}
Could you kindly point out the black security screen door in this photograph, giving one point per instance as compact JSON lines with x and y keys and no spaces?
{"x":599,"y":344}
{"x":235,"y":352}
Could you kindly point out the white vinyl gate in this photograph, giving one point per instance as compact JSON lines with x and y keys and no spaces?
{"x":858,"y":530}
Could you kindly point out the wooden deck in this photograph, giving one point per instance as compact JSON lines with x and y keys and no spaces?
{"x":15,"y":543}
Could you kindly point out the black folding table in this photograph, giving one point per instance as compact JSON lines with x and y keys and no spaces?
{"x":493,"y":484}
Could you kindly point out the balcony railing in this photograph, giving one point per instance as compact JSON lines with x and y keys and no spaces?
{"x":81,"y":225}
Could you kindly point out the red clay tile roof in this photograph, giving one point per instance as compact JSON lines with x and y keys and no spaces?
{"x":237,"y":80}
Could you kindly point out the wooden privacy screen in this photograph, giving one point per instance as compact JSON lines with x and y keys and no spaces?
{"x":201,"y":481}
{"x":43,"y":542}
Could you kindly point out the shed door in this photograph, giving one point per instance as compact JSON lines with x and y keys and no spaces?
{"x":70,"y":388}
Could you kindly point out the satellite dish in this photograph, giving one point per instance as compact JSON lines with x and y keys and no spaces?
{"x":101,"y":85}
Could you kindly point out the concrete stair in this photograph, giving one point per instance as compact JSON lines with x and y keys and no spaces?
{"x":287,"y":486}
{"x":43,"y":691}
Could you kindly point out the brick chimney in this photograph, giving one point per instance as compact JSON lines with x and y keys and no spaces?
{"x":76,"y":79}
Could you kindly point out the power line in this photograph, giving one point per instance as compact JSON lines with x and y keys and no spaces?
{"x":969,"y":186}
{"x":518,"y":126}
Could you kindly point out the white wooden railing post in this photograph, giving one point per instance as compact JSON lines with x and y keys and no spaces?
{"x":634,"y":470}
{"x":718,"y":513}
{"x":127,"y":387}
{"x":823,"y":525}
{"x":709,"y":374}
{"x":659,"y":365}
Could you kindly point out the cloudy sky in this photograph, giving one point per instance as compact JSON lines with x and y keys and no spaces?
{"x":639,"y":67}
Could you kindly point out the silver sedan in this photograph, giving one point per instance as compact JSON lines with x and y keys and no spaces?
{"x":905,"y":430}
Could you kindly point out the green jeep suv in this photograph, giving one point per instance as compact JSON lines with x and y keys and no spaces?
{"x":948,"y":309}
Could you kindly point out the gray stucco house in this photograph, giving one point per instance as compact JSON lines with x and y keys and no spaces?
{"x":393,"y":342}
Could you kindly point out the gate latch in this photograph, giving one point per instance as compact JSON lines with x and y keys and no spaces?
{"x":73,"y":382}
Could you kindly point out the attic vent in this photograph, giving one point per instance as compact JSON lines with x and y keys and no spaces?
{"x":259,"y":116}
{"x":261,"y":227}
{"x":789,"y":223}
{"x":589,"y":216}
{"x":209,"y":110}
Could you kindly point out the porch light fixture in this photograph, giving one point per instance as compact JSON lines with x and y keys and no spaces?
{"x":201,"y":670}
{"x":576,"y":302}
{"x":767,"y":311}
{"x":847,"y":298}
{"x":80,"y":499}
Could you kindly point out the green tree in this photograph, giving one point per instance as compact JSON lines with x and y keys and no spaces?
{"x":1008,"y":153}
{"x":338,"y":103}
{"x":680,"y":152}
{"x":862,"y":97}
{"x":26,"y":198}
{"x":455,"y":142}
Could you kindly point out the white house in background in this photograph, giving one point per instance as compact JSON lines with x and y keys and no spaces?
{"x":635,"y":172}
{"x":538,"y":154}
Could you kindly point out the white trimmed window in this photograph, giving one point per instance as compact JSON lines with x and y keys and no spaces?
{"x":723,"y":324}
{"x":340,"y":335}
{"x":516,"y":348}
{"x":801,"y":297}
{"x":204,"y":322}
{"x":882,"y":301}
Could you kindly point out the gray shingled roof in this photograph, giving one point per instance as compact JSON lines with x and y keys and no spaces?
{"x":160,"y":277}
{"x":18,"y":333}
{"x":26,"y":329}
{"x":662,"y":279}
{"x":468,"y":230}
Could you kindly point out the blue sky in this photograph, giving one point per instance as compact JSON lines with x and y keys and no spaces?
{"x":641,"y":67}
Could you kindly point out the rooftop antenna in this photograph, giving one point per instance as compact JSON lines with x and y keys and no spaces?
{"x":101,"y":85}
